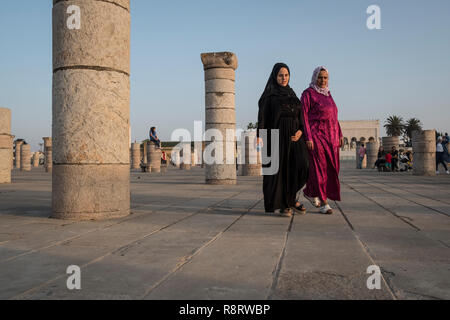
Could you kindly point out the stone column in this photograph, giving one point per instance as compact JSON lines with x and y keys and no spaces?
{"x":135,"y":155}
{"x":424,"y":157}
{"x":153,"y":157}
{"x":17,"y":155}
{"x":91,"y":110}
{"x":389,"y":142}
{"x":185,"y":165}
{"x":372,"y":154}
{"x":36,"y":159}
{"x":252,"y":157}
{"x":144,"y":152}
{"x":25,"y":158}
{"x":220,"y":112}
{"x":6,"y":140}
{"x":48,"y":154}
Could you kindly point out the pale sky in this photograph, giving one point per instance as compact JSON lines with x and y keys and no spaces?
{"x":401,"y":69}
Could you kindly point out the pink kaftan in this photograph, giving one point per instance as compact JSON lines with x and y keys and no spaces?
{"x":323,"y":129}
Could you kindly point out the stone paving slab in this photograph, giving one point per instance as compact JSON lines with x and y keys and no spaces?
{"x":188,"y":240}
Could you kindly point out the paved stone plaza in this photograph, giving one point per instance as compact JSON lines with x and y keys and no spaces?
{"x":188,"y":240}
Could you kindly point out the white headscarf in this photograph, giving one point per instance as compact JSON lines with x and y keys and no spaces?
{"x":325,"y":91}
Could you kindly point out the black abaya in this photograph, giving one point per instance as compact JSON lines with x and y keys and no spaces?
{"x":279,"y":108}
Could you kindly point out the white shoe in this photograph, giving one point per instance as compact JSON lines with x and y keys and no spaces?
{"x":437,"y":172}
{"x":314,"y":201}
{"x":447,"y":172}
{"x":326,"y":209}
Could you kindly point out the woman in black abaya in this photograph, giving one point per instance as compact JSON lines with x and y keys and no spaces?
{"x":279,"y":108}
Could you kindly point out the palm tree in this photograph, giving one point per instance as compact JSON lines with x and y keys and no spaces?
{"x":411,"y":125}
{"x":394,"y":126}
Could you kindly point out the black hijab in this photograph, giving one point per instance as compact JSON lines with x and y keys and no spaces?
{"x":272,"y":86}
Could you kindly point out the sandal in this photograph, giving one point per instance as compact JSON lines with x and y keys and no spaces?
{"x":300,"y":209}
{"x":286,"y":212}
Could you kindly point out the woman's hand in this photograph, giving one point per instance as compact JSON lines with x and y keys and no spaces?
{"x":297,"y":136}
{"x":310,"y":145}
{"x":341,"y":142}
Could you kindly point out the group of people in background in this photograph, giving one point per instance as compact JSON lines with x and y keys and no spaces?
{"x":309,"y":141}
{"x":393,"y":160}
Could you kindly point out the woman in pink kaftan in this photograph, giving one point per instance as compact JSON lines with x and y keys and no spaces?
{"x":323,"y":137}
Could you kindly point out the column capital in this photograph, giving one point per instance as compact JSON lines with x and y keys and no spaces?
{"x":219,"y":60}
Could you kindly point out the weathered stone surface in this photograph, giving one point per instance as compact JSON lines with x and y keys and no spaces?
{"x":219,"y":73}
{"x":102,"y":191}
{"x":252,"y":157}
{"x":216,"y":172}
{"x":123,"y":3}
{"x":102,"y":41}
{"x":135,"y":155}
{"x":424,"y":148}
{"x":5,"y":121}
{"x":90,"y":117}
{"x":25,"y":158}
{"x":219,"y":116}
{"x":372,"y":154}
{"x":220,"y":113}
{"x":226,"y":131}
{"x":220,"y":86}
{"x":389,"y":142}
{"x":17,"y":155}
{"x":153,"y":157}
{"x":48,"y":154}
{"x":217,"y":100}
{"x":5,"y":165}
{"x":36,"y":159}
{"x":91,"y":100}
{"x":219,"y":60}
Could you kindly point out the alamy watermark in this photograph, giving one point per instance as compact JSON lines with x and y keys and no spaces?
{"x":222,"y":146}
{"x":74,"y":280}
{"x":374,"y":20}
{"x":374,"y":281}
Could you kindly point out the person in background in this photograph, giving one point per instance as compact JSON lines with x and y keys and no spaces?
{"x":446,"y":139}
{"x":441,"y":153}
{"x":154,"y":137}
{"x":394,"y":162}
{"x":361,"y":154}
{"x":381,"y":158}
{"x":389,"y":161}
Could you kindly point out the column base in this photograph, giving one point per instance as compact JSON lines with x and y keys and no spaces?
{"x":90,"y":192}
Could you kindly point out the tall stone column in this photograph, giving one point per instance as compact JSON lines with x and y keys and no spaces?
{"x":6,"y":140}
{"x":25,"y":158}
{"x":48,"y":154}
{"x":135,"y":155}
{"x":17,"y":155}
{"x":424,"y":157}
{"x":220,"y":113}
{"x":91,"y":106}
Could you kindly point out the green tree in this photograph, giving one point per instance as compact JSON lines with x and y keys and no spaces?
{"x":252,"y":126}
{"x":411,"y":125}
{"x":394,"y":126}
